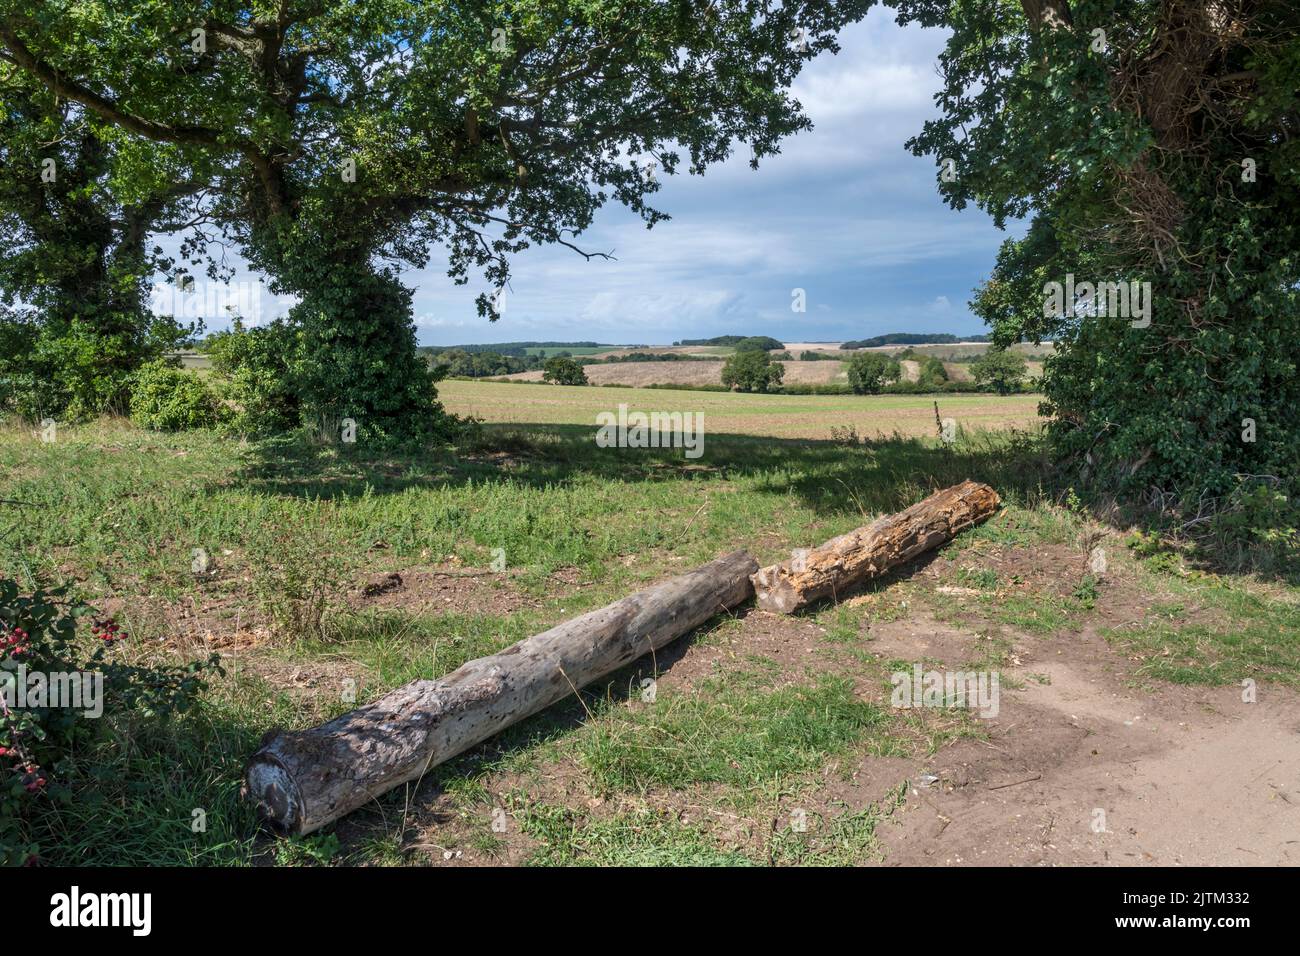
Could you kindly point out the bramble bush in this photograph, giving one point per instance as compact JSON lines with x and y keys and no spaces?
{"x":39,"y":630}
{"x":78,"y":368}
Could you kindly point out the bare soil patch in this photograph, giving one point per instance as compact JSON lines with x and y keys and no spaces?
{"x":1083,"y":766}
{"x":432,"y":590}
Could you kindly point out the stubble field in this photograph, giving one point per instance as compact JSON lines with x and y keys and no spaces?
{"x":778,"y":416}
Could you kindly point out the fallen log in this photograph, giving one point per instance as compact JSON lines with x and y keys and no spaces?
{"x":860,"y":555}
{"x":304,"y":780}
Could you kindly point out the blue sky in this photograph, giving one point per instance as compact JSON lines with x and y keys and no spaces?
{"x":844,"y":213}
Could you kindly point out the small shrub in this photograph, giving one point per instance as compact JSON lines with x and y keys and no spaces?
{"x":298,"y":576}
{"x":1086,"y":592}
{"x":1154,"y":552}
{"x":255,"y":369}
{"x":167,"y":398}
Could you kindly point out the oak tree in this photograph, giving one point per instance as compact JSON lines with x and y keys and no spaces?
{"x":348,"y":137}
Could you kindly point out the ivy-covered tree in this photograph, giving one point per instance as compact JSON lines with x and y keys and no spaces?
{"x":1148,"y":141}
{"x":75,"y":258}
{"x":352,"y":135}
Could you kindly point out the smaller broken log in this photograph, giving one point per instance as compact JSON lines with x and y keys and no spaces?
{"x":303,"y":780}
{"x":844,"y":562}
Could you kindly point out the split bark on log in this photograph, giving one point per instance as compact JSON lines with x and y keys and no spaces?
{"x":304,"y":780}
{"x":846,"y":561}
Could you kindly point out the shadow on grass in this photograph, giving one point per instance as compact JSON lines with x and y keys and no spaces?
{"x":828,"y":476}
{"x":832,"y":478}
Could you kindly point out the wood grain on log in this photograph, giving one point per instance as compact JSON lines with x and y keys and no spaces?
{"x":304,"y":780}
{"x":853,"y":558}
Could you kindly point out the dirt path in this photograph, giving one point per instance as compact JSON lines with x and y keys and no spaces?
{"x":1083,"y":767}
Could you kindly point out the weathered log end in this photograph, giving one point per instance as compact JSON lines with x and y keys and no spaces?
{"x":773,"y":590}
{"x":274,"y":793}
{"x":851,"y":559}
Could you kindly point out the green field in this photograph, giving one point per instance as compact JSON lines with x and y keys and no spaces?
{"x":753,"y":714}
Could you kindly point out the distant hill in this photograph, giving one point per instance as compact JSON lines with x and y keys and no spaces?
{"x":912,"y":338}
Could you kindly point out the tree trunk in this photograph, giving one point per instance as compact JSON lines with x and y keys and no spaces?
{"x":304,"y":780}
{"x":853,"y":558}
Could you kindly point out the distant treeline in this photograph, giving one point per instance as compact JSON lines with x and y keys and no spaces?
{"x":764,"y":342}
{"x":461,"y":363}
{"x":808,"y":355}
{"x":912,"y":338}
{"x":515,"y":348}
{"x":648,"y":357}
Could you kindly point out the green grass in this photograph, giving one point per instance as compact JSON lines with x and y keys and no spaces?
{"x":733,"y":731}
{"x":644,"y":838}
{"x":846,"y":839}
{"x":1238,"y":633}
{"x":982,"y":579}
